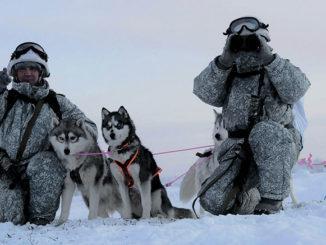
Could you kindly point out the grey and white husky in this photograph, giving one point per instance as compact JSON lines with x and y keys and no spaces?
{"x":205,"y":165}
{"x":89,"y":173}
{"x":133,"y":166}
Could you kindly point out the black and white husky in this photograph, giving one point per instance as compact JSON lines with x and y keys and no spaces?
{"x":133,"y":166}
{"x":205,"y":165}
{"x":89,"y":173}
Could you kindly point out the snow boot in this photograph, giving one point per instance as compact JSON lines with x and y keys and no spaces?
{"x":268,"y":206}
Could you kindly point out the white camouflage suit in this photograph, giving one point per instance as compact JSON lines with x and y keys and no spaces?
{"x":274,"y":142}
{"x":44,"y":172}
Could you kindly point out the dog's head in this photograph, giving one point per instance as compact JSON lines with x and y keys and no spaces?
{"x":219,"y":133}
{"x":117,"y":126}
{"x":69,"y":137}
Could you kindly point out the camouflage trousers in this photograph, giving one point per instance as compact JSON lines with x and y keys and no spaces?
{"x":274,"y":150}
{"x":45,"y":175}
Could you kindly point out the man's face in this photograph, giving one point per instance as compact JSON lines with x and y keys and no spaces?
{"x":28,"y":74}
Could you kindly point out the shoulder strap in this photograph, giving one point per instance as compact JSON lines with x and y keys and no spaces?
{"x":12,"y":97}
{"x":52,"y":100}
{"x":28,"y":130}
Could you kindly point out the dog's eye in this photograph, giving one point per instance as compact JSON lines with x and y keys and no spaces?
{"x":119,"y":125}
{"x":60,"y":139}
{"x":73,"y":139}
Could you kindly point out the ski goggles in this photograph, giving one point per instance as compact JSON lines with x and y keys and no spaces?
{"x":25,"y":47}
{"x":250,"y":23}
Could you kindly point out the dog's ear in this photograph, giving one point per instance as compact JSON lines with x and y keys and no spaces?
{"x":80,"y":122}
{"x":55,"y":122}
{"x":105,"y":113}
{"x":218,"y":116}
{"x":122,"y":111}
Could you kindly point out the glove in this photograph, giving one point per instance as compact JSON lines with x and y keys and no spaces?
{"x":227,"y":57}
{"x":14,"y":175}
{"x":4,"y":78}
{"x":17,"y":175}
{"x":266,"y":56}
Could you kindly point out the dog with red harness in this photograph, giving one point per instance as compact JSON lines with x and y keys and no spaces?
{"x":133,"y":166}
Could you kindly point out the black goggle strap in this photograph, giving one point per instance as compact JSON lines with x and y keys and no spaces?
{"x":18,"y":53}
{"x":26,"y":45}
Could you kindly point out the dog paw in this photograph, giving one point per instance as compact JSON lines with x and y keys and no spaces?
{"x":146,"y":216}
{"x":126,"y":215}
{"x":60,"y":222}
{"x":92,"y":216}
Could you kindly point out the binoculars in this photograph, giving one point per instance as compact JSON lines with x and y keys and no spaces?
{"x":245,"y":43}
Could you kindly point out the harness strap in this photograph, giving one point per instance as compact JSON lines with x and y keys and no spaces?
{"x":124,"y":167}
{"x":157,"y":172}
{"x":28,"y":130}
{"x":52,"y":101}
{"x":24,"y":182}
{"x":123,"y":146}
{"x":204,"y":155}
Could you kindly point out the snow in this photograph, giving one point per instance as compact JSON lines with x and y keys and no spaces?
{"x":305,"y":224}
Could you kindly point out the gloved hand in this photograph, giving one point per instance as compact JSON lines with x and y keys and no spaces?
{"x":13,"y":172}
{"x":4,"y":78}
{"x":17,"y":175}
{"x":227,"y":57}
{"x":266,"y":56}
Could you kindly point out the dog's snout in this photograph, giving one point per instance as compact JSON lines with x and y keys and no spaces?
{"x":218,"y":136}
{"x":67,"y":151}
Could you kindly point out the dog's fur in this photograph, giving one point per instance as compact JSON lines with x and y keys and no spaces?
{"x":90,"y":173}
{"x":119,"y":133}
{"x":204,"y":166}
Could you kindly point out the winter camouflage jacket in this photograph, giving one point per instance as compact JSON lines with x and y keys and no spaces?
{"x":283,"y":85}
{"x":13,"y":127}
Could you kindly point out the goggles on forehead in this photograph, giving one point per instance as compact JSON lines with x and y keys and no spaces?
{"x":25,"y":47}
{"x":250,"y":23}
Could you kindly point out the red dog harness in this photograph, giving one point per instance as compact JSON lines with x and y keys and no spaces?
{"x":124,"y":167}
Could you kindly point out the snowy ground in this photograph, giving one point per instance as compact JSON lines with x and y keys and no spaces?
{"x":303,"y":225}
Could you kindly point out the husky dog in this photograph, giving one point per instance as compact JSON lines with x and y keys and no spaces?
{"x":205,"y":165}
{"x":133,"y":166}
{"x":89,"y":173}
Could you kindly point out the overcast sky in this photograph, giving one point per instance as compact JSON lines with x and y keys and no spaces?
{"x":145,"y":54}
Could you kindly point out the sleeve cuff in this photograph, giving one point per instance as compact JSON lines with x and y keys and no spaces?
{"x":220,"y":65}
{"x":276,"y":64}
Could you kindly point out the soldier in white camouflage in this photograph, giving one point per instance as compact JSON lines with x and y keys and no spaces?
{"x":256,"y":90}
{"x":31,"y":176}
